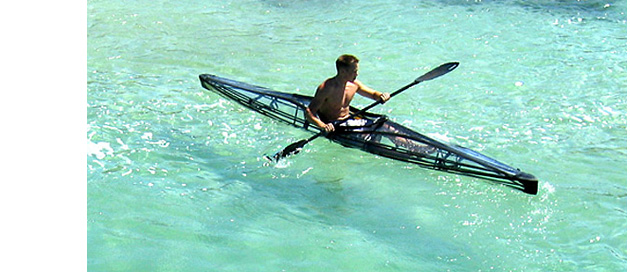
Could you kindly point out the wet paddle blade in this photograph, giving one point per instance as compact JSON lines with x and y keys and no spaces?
{"x":439,"y":71}
{"x":292,"y":149}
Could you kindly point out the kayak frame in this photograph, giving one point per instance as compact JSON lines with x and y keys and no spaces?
{"x":289,"y":108}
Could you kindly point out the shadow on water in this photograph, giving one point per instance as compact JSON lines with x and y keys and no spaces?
{"x":338,"y":214}
{"x":558,"y":6}
{"x":599,"y":9}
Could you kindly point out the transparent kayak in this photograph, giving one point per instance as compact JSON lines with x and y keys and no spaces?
{"x":376,"y":135}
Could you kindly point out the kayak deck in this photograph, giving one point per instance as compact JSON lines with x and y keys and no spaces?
{"x":381,"y":137}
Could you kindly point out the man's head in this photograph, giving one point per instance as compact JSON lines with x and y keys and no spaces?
{"x":348,"y":66}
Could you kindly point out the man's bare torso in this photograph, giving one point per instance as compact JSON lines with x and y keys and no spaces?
{"x":336,"y":99}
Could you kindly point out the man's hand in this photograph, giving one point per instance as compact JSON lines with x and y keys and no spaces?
{"x":329,"y":128}
{"x":384,"y":97}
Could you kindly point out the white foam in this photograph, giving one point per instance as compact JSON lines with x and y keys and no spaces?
{"x":100,"y":149}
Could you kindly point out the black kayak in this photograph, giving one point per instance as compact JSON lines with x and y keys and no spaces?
{"x":375,"y":134}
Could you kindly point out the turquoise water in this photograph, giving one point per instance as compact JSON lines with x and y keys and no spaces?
{"x":176,"y":179}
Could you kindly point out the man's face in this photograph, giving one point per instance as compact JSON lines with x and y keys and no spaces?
{"x":352,"y":72}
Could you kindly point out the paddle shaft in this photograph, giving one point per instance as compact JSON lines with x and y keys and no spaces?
{"x":380,"y":102}
{"x":439,"y":71}
{"x":354,"y":114}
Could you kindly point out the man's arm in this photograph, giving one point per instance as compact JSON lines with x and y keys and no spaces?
{"x":371,"y":93}
{"x":314,"y":106}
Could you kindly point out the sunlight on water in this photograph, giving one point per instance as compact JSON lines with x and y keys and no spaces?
{"x":177,"y":179}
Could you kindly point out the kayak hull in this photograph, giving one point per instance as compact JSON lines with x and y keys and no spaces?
{"x":381,"y":136}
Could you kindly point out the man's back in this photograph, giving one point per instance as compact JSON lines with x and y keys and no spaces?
{"x":332,"y":99}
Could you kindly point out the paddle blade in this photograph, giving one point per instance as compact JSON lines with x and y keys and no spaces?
{"x":437,"y":72}
{"x":291,"y":149}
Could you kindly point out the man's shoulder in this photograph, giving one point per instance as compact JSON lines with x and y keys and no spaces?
{"x":358,"y":83}
{"x":326,"y":85}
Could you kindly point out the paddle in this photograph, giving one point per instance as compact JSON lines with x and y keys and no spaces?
{"x":295,"y":148}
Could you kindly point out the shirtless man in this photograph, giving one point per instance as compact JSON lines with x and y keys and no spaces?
{"x":333,"y":96}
